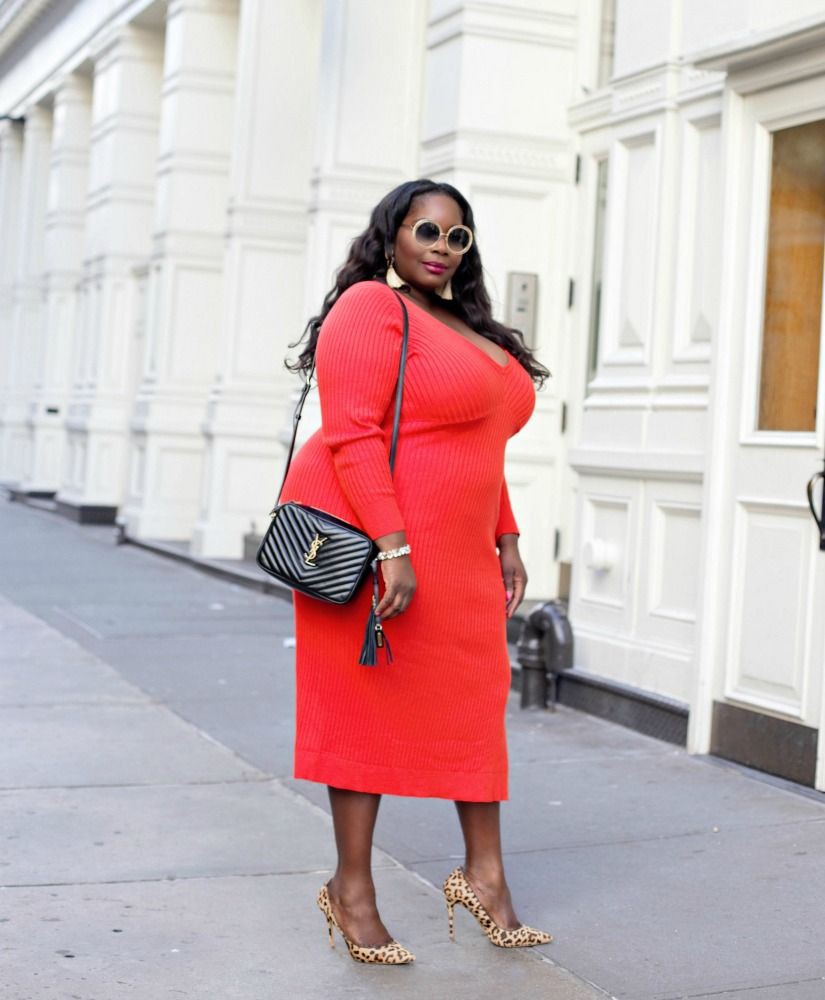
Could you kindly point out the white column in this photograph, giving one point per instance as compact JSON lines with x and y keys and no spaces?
{"x":279,"y":267}
{"x":27,"y":292}
{"x":123,"y":153}
{"x":368,"y":124}
{"x":186,"y":271}
{"x":265,"y":262}
{"x":498,"y":82}
{"x":63,"y":255}
{"x":11,"y":151}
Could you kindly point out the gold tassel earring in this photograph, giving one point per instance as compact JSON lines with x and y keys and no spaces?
{"x":394,"y":279}
{"x":446,"y":290}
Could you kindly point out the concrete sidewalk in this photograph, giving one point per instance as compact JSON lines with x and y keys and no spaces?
{"x":155,"y":844}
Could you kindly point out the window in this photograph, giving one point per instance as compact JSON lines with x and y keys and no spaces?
{"x":598,"y":262}
{"x":793,"y":280}
{"x":607,"y":30}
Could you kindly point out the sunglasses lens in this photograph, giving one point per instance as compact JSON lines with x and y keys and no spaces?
{"x":427,"y":233}
{"x":459,"y":239}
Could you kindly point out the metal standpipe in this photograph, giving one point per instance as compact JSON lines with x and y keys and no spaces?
{"x":544,"y":649}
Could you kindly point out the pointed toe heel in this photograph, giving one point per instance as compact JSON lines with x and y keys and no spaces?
{"x":458,"y":890}
{"x":391,"y":953}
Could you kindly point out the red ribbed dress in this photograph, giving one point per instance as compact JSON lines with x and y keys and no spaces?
{"x":432,"y":722}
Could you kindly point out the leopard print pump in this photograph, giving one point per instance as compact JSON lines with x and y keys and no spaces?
{"x":391,"y":953}
{"x":458,"y":890}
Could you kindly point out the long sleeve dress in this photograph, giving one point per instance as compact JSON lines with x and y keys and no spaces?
{"x":432,"y":722}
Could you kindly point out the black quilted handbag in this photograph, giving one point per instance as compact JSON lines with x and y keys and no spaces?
{"x":319,"y":554}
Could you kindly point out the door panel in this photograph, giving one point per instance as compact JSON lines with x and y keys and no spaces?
{"x":770,"y":607}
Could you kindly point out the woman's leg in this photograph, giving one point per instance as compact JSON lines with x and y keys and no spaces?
{"x":351,"y":888}
{"x":483,"y":864}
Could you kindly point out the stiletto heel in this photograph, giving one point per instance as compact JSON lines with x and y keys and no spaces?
{"x":451,"y":919}
{"x":458,"y":890}
{"x":391,"y":953}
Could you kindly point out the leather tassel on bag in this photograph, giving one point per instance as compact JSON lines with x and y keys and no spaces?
{"x":374,"y":635}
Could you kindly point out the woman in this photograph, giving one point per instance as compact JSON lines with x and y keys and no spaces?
{"x":430,"y":722}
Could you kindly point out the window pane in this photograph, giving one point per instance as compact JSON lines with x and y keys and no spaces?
{"x":598,"y":260}
{"x":793,"y":280}
{"x":607,"y":32}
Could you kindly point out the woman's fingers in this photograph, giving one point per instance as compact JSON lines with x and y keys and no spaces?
{"x":393,"y":608}
{"x":385,"y":605}
{"x":392,"y":603}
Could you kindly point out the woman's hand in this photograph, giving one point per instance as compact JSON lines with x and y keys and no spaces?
{"x":399,"y":578}
{"x":513,"y":572}
{"x":399,"y":584}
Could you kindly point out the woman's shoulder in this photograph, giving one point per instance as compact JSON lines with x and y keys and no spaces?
{"x":369,"y":293}
{"x":366,"y":303}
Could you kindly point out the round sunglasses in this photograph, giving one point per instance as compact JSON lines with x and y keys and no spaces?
{"x":426,"y":233}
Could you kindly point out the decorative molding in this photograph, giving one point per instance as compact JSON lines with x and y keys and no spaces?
{"x":134,"y":121}
{"x":188,"y":245}
{"x":202,"y":79}
{"x":631,"y":392}
{"x":176,"y":7}
{"x":654,"y":89}
{"x":17,"y":16}
{"x":504,"y":22}
{"x":591,"y":111}
{"x":267,"y":221}
{"x":671,"y":466}
{"x":759,"y":48}
{"x":192,"y":161}
{"x":695,"y":83}
{"x":350,"y":195}
{"x":497,"y":152}
{"x":649,"y":91}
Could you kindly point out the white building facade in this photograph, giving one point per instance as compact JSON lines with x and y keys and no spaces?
{"x":179,"y":180}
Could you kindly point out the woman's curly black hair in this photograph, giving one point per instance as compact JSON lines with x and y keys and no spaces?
{"x":368,"y":257}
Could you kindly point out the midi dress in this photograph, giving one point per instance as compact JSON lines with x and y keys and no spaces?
{"x":432,"y":721}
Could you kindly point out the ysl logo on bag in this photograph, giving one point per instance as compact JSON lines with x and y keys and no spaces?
{"x":314,"y":545}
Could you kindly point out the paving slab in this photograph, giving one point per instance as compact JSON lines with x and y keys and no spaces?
{"x":163,"y":831}
{"x":811,"y":989}
{"x":47,"y":745}
{"x":74,"y":676}
{"x":107,"y":619}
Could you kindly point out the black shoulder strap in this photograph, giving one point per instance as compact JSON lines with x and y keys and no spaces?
{"x":399,"y":392}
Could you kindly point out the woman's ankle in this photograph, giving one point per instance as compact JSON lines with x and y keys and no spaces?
{"x":349,"y":887}
{"x":488,"y":875}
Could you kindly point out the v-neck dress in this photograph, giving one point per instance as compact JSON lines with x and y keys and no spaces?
{"x":432,"y":722}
